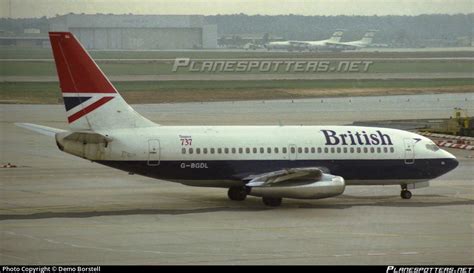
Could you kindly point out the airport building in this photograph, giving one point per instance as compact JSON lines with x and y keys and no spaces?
{"x":145,"y":32}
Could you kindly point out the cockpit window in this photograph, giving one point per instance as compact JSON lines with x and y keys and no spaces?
{"x":433,"y":147}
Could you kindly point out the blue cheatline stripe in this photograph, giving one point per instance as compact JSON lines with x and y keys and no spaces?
{"x":71,"y":102}
{"x":238,"y":169}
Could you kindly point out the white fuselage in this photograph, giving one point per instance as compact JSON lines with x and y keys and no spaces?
{"x":219,"y":155}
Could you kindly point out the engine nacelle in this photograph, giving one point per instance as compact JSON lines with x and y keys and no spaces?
{"x":327,"y":186}
{"x":87,"y":145}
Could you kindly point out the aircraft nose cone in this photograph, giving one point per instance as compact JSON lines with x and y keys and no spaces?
{"x":450,"y":164}
{"x":454,"y":163}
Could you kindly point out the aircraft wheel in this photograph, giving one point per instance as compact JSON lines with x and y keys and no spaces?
{"x":405,"y":194}
{"x":272,"y":202}
{"x":237,"y":193}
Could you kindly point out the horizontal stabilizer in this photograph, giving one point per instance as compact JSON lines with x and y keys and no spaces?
{"x":44,"y":130}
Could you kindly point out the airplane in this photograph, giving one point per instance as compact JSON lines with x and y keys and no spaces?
{"x":272,"y":162}
{"x":364,"y":42}
{"x":280,"y":45}
{"x":319,"y":45}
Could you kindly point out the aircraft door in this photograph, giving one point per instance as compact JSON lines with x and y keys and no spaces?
{"x":292,"y":152}
{"x":409,"y":151}
{"x":153,"y":152}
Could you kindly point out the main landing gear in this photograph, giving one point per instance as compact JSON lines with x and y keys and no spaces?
{"x":272,"y":201}
{"x":405,"y":193}
{"x":237,"y":193}
{"x":240,"y":194}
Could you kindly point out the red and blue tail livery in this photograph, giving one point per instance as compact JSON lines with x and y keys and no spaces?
{"x":80,"y":104}
{"x":86,"y":90}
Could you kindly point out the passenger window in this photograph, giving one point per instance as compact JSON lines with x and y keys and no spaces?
{"x":269,"y":150}
{"x":284,"y":150}
{"x":219,"y":150}
{"x":191,"y":150}
{"x":233,"y":150}
{"x":313,"y":150}
{"x":306,"y":150}
{"x":320,"y":150}
{"x":212,"y":150}
{"x":226,"y":150}
{"x":262,"y":150}
{"x":300,"y":150}
{"x":247,"y":150}
{"x":372,"y":149}
{"x":198,"y":150}
{"x":385,"y":149}
{"x":204,"y":150}
{"x":326,"y":150}
{"x":183,"y":150}
{"x":276,"y":150}
{"x":366,"y":150}
{"x":254,"y":150}
{"x":392,"y":149}
{"x":352,"y":150}
{"x":333,"y":150}
{"x":358,"y":150}
{"x":338,"y":149}
{"x":241,"y":150}
{"x":292,"y":150}
{"x":379,"y":150}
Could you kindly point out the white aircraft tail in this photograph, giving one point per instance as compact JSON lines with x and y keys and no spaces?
{"x":336,"y":36}
{"x":368,"y":37}
{"x":91,"y":101}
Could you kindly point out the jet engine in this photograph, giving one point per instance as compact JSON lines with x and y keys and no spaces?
{"x":324,"y":186}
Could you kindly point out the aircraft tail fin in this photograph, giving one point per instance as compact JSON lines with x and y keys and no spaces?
{"x":90,"y":99}
{"x":368,"y":37}
{"x":336,"y":36}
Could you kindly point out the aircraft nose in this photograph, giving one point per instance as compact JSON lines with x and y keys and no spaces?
{"x":450,"y":162}
{"x":453,"y":163}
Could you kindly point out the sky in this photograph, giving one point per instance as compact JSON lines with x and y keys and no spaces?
{"x":49,"y":8}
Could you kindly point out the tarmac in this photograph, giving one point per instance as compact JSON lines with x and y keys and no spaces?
{"x":59,"y":209}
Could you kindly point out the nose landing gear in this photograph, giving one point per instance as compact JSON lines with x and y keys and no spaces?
{"x":405,"y":193}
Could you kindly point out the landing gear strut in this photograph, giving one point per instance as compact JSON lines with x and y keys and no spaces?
{"x":405,"y":193}
{"x":272,"y":202}
{"x":237,"y":193}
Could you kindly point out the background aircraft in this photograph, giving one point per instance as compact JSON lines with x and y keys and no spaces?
{"x":319,"y":45}
{"x":364,"y":42}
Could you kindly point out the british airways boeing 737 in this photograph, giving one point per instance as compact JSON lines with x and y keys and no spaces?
{"x":272,"y":162}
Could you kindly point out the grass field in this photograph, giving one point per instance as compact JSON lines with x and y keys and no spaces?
{"x":182,"y":91}
{"x":158,"y":68}
{"x":179,"y":91}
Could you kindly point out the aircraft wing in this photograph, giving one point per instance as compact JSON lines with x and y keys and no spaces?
{"x":44,"y":130}
{"x":309,"y":175}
